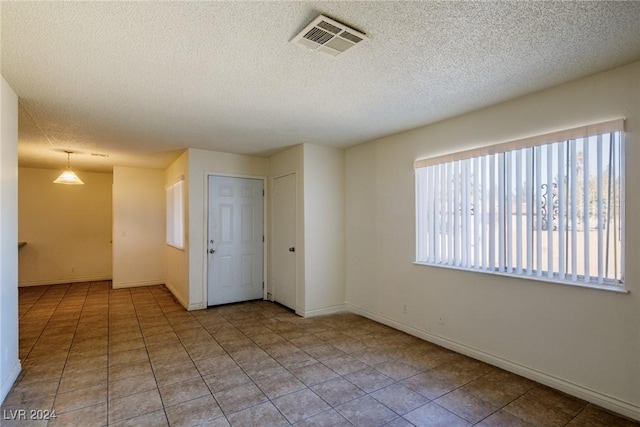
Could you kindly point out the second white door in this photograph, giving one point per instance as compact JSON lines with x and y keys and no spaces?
{"x":235,"y":240}
{"x":283,"y":241}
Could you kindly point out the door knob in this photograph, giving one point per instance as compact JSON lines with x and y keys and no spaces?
{"x":292,"y":249}
{"x":212,"y":251}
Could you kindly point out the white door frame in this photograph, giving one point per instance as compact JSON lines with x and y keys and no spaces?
{"x":272,"y":179}
{"x":205,"y":247}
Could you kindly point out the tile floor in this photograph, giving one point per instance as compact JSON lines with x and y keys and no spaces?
{"x":135,"y":357}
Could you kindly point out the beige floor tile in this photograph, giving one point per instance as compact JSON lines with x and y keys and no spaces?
{"x":184,"y":391}
{"x":372,"y":357}
{"x":134,"y":405}
{"x":367,"y":412}
{"x":80,"y":398}
{"x":428,"y":385}
{"x":21,"y":392}
{"x":227,"y":379}
{"x":323,"y":352}
{"x":399,"y":398}
{"x":592,"y":416}
{"x":368,"y":379}
{"x":497,"y":392}
{"x":295,"y":360}
{"x":193,"y":412}
{"x":350,"y":345}
{"x":212,"y":365}
{"x":557,"y":400}
{"x":280,"y":384}
{"x":130,"y":369}
{"x":396,"y":370}
{"x":300,"y":405}
{"x":173,"y":356}
{"x":337,"y":391}
{"x":155,"y":419}
{"x":84,"y":365}
{"x":433,"y":415}
{"x":239,"y":398}
{"x":537,"y":413}
{"x":132,"y":385}
{"x":89,"y":416}
{"x":399,"y":422}
{"x":249,"y":355}
{"x":175,"y":373}
{"x":280,"y":348}
{"x":88,"y":379}
{"x":314,"y":374}
{"x":330,"y":418}
{"x":504,"y":419}
{"x":128,"y":356}
{"x":264,"y":414}
{"x":126,"y":345}
{"x":466,"y":405}
{"x":205,"y":351}
{"x":263,"y":368}
{"x":167,"y":338}
{"x":344,"y":364}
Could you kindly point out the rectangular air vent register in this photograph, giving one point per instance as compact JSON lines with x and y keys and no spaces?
{"x":328,"y":36}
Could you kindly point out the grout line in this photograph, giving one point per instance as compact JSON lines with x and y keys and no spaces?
{"x":55,"y":398}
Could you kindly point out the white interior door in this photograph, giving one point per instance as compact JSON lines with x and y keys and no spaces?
{"x":235,"y":240}
{"x":283,"y":241}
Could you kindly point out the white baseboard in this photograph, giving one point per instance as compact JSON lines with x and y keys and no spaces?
{"x":177,"y":296}
{"x":341,"y":308}
{"x":63,"y":280}
{"x":196,"y":306}
{"x":626,"y":409}
{"x":8,"y":382}
{"x":122,"y":285}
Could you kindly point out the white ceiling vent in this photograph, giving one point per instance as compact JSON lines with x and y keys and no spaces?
{"x":328,"y":36}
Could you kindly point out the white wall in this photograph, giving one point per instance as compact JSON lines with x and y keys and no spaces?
{"x":9,"y":362}
{"x":139,"y":227}
{"x":323,"y":229}
{"x":67,"y":227}
{"x":177,"y":260}
{"x":583,"y":341}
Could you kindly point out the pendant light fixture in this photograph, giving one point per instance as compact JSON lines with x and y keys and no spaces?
{"x":68,"y":176}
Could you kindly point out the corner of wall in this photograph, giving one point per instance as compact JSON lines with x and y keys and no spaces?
{"x":10,"y":366}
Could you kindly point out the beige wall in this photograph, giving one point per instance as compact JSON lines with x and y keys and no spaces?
{"x":320,"y":225}
{"x":138,"y":227}
{"x":201,"y":164}
{"x":323,"y":229}
{"x":67,"y":227}
{"x":583,"y":341}
{"x":186,"y":269}
{"x":176,"y":268}
{"x":9,"y":363}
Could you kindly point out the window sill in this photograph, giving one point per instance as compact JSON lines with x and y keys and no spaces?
{"x":602,"y":287}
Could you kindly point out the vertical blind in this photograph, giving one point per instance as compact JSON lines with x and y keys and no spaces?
{"x":550,"y":207}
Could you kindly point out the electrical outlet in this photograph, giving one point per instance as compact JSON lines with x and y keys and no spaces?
{"x":441,"y":319}
{"x":73,"y":269}
{"x":404,"y":309}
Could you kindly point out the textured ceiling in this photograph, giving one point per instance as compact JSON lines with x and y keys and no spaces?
{"x":140,"y":81}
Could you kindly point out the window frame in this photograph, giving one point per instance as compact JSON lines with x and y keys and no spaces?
{"x":175,"y":227}
{"x":505,"y":196}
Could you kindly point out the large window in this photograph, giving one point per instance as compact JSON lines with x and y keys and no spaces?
{"x":549,"y":207}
